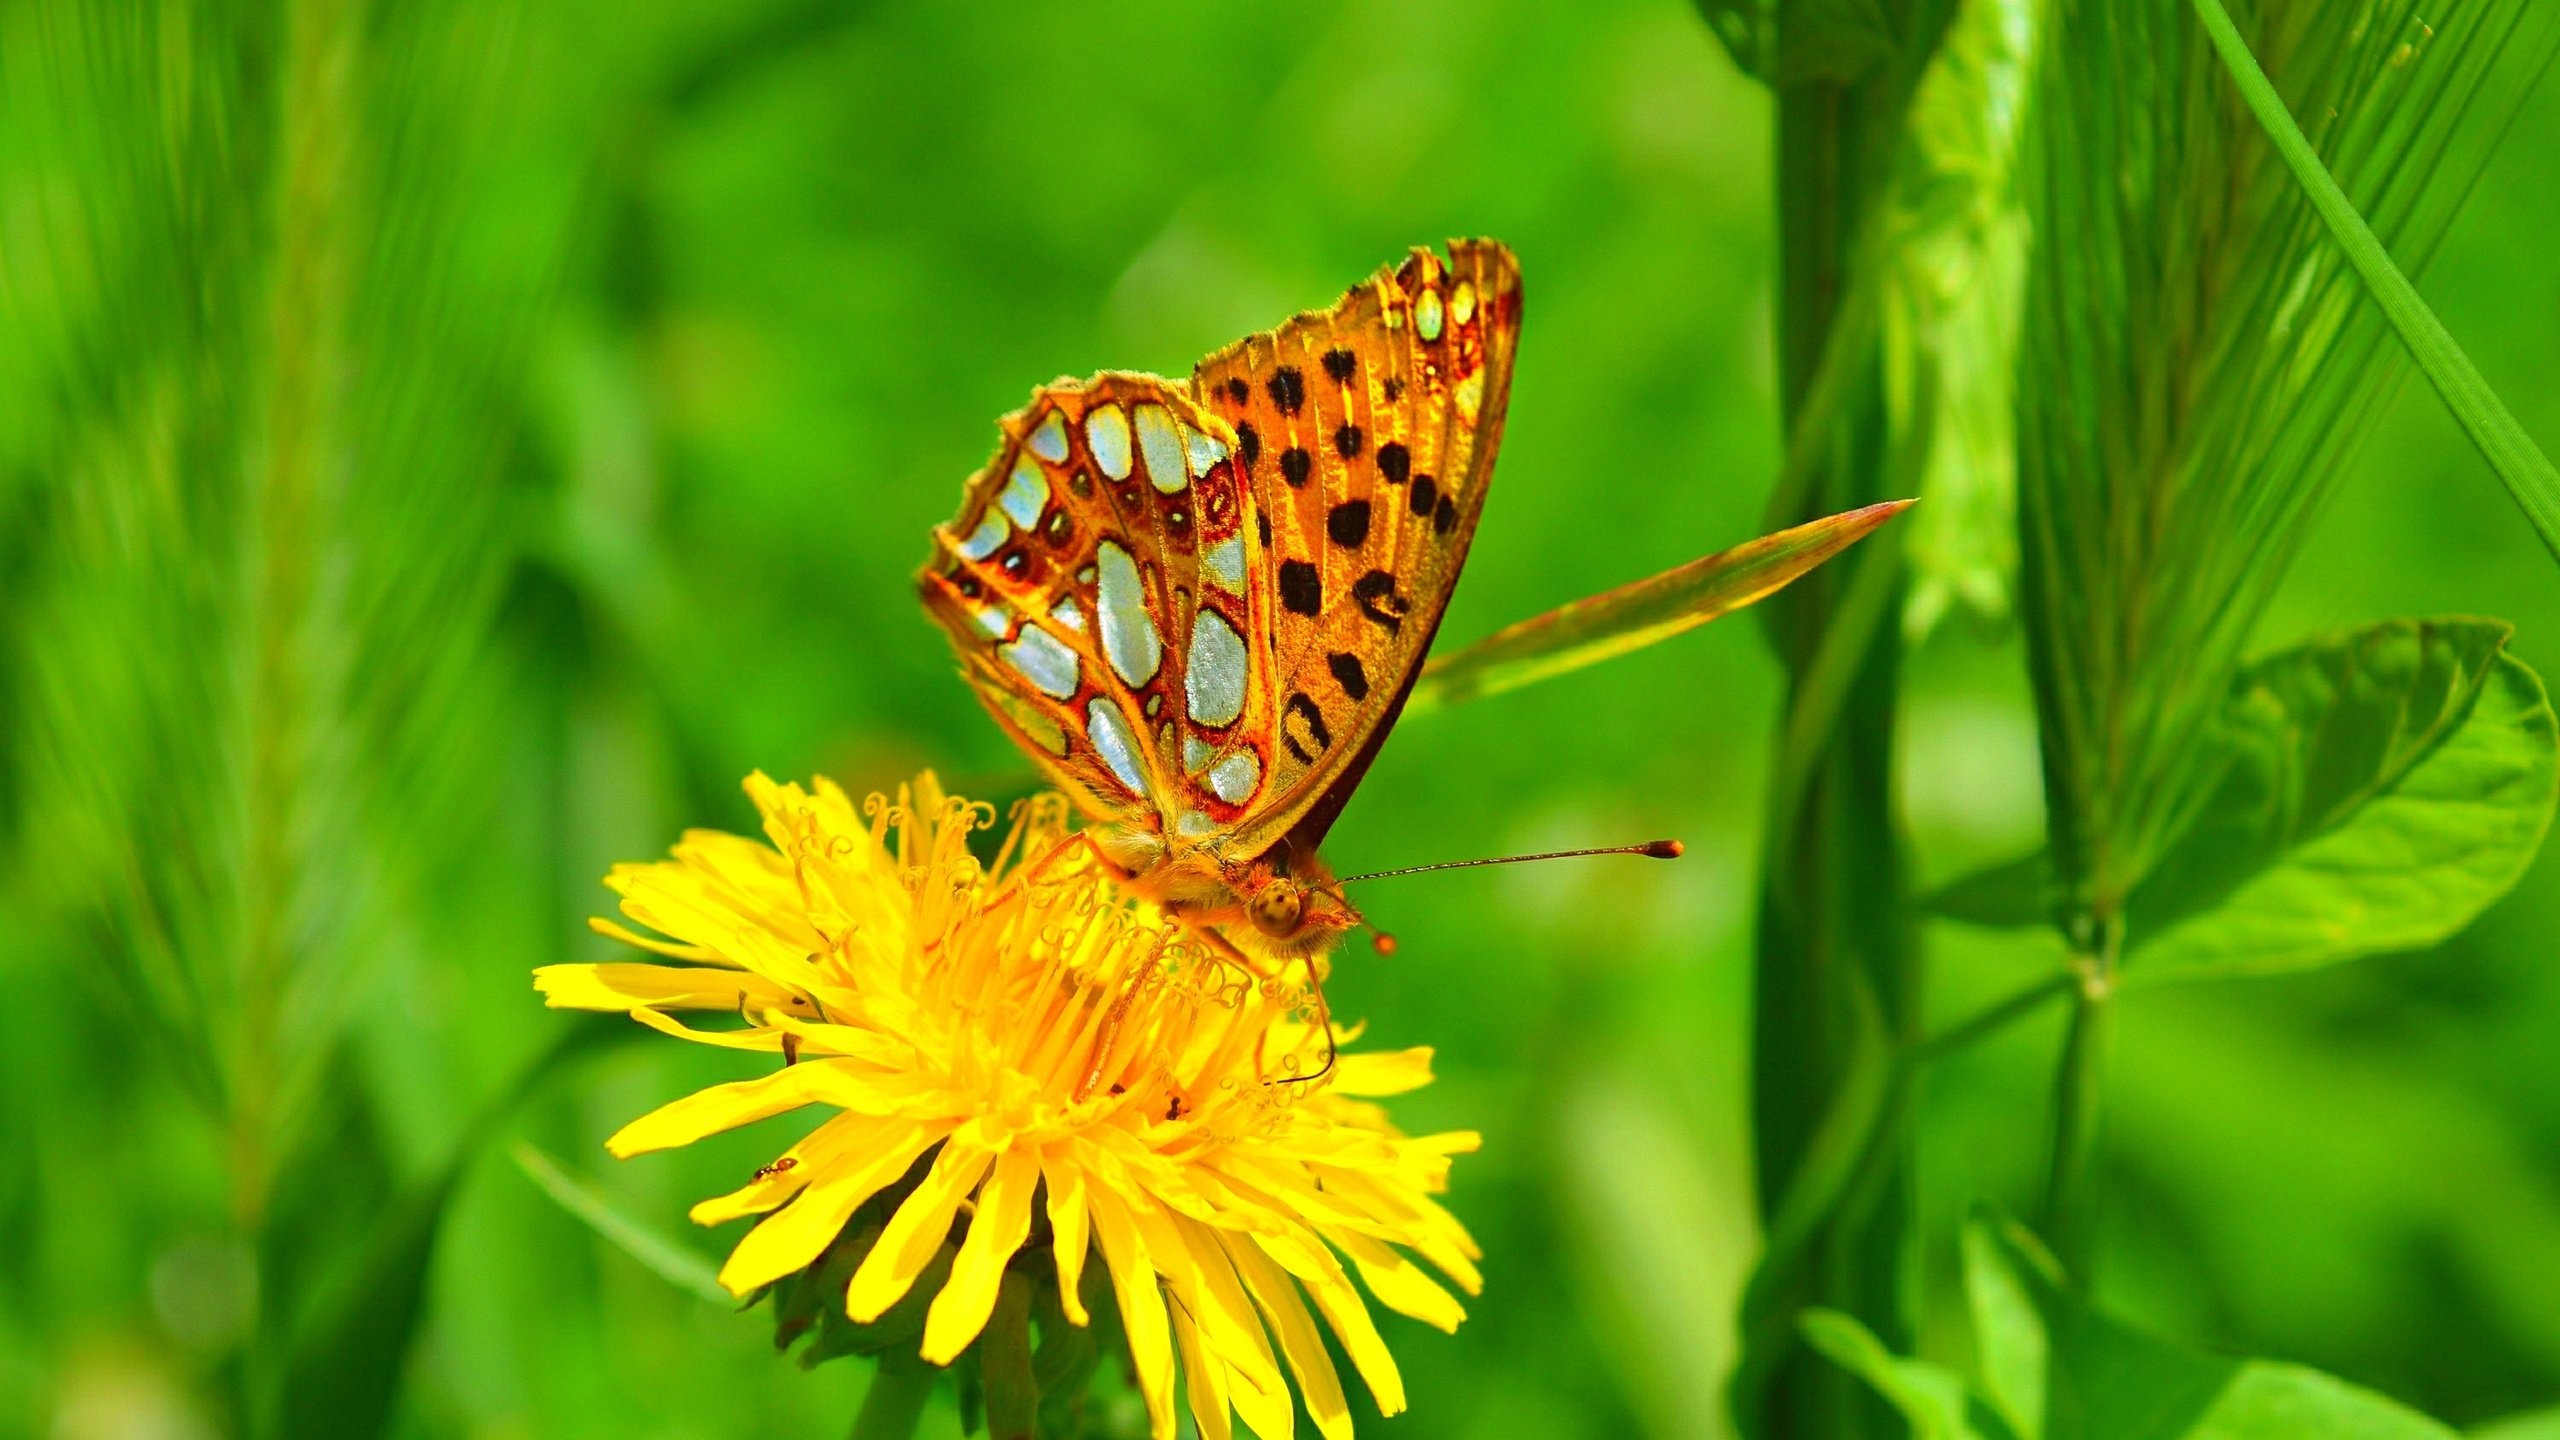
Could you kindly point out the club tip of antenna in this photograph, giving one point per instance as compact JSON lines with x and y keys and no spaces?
{"x":1664,"y":849}
{"x":1382,"y":942}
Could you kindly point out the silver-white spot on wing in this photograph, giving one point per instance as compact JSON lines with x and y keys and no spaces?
{"x":1049,"y":438}
{"x":1116,"y":741}
{"x":1026,"y":493}
{"x":982,"y":542}
{"x":1129,"y":638}
{"x":1235,"y":778}
{"x":1214,"y":670}
{"x":1106,"y":434}
{"x":1195,"y":752}
{"x":1223,"y":563}
{"x":1066,"y":612}
{"x":1202,"y":449}
{"x":1161,"y":443}
{"x":1044,"y":660}
{"x":995,"y":622}
{"x":1426,"y":315}
{"x":1193,"y":825}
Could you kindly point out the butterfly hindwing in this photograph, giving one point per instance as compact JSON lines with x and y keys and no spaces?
{"x":1369,"y":432}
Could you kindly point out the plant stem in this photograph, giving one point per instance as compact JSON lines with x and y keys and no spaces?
{"x":2071,"y":1182}
{"x":1989,"y":1021}
{"x":900,"y":1386}
{"x":1836,"y":973}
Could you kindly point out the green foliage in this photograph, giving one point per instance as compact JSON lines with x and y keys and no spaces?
{"x":2198,"y":359}
{"x":667,"y":1258}
{"x":2062,"y":1370}
{"x":2520,"y":463}
{"x":1641,"y":612}
{"x":2380,"y":790}
{"x":2376,"y":791}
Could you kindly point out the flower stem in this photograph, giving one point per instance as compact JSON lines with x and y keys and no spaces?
{"x":2071,"y":1183}
{"x":900,"y":1386}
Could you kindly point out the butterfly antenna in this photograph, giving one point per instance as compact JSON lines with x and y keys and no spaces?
{"x":1324,"y":1020}
{"x":1650,"y":849}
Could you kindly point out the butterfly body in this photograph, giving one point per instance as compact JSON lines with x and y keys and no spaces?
{"x":1199,"y":604}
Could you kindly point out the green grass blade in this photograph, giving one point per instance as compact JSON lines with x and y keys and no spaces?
{"x":1615,"y":622}
{"x":668,"y":1260}
{"x":2528,"y":473}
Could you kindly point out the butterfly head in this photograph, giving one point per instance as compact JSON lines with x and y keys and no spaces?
{"x":1293,"y":916}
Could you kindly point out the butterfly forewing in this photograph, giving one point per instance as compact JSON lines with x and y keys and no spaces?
{"x":1096,"y":586}
{"x":1368,"y":432}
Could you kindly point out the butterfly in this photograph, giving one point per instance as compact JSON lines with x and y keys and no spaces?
{"x":1200,"y":604}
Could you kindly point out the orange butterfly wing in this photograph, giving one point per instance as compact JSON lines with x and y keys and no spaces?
{"x":1097,"y":586}
{"x":1202,"y":605}
{"x":1369,"y":431}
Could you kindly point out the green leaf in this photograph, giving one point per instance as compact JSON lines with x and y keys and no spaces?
{"x":2110,"y":1381}
{"x":1743,"y":26}
{"x":670,"y":1260}
{"x":1642,"y":613}
{"x":342,"y":1371}
{"x":2271,"y":1401}
{"x":1833,"y":42}
{"x":2008,"y":1333}
{"x":2528,"y":473}
{"x":2381,"y":788}
{"x":2535,"y":1425}
{"x":2011,"y":895}
{"x":336,"y":1374}
{"x":1933,"y":1399}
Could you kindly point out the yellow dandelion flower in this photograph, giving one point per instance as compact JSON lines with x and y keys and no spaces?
{"x":1047,"y":1041}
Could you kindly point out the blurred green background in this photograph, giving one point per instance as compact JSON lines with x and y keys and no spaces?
{"x":619,"y":357}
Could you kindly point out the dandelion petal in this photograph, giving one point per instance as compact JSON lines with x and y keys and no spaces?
{"x":1003,"y":1222}
{"x":1133,"y":1275}
{"x":915,"y":1232}
{"x":1071,"y":1228}
{"x":1318,"y":1383}
{"x":794,"y":1236}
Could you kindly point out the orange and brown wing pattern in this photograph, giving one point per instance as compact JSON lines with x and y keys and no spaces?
{"x":1367,"y":433}
{"x":1095,"y":584}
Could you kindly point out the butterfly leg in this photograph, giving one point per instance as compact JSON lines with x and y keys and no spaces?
{"x":1324,"y":1020}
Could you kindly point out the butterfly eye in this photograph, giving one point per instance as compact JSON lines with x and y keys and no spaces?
{"x":1276,"y":911}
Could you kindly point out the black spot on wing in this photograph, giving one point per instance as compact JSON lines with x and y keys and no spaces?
{"x":1301,"y":588}
{"x":1376,"y":595}
{"x":1444,"y":518}
{"x":1347,"y":524}
{"x":1295,"y":465}
{"x":1288,"y":390}
{"x":1341,"y":365}
{"x":1303,"y":730}
{"x":1347,"y":442}
{"x":1248,"y":443}
{"x":1395,"y":462}
{"x":1349,"y":675}
{"x":1424,"y":492}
